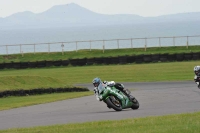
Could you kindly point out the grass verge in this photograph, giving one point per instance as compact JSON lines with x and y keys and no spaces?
{"x":67,"y":76}
{"x":31,"y":78}
{"x":95,"y":53}
{"x":15,"y":102}
{"x":182,"y":123}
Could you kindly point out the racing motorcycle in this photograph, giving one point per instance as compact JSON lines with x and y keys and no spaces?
{"x":116,"y":99}
{"x":197,"y":80}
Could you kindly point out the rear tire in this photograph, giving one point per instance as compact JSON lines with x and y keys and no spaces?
{"x":114,"y":103}
{"x":199,"y":86}
{"x":135,"y":104}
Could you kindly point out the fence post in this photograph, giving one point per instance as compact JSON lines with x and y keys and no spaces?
{"x":187,"y":42}
{"x":62,"y":45}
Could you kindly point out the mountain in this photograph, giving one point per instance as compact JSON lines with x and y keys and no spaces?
{"x":72,"y":15}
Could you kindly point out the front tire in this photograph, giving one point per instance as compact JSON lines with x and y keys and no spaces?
{"x":114,"y":103}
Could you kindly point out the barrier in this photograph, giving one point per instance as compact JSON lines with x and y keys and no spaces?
{"x":82,"y":62}
{"x":65,"y":62}
{"x":144,"y":42}
{"x":74,"y":62}
{"x":171,"y":57}
{"x":41,"y":64}
{"x":139,"y":58}
{"x":38,"y":91}
{"x":105,"y":60}
{"x":122,"y":59}
{"x":180,"y":56}
{"x":131,"y":59}
{"x":17,"y":65}
{"x":188,"y":56}
{"x":8,"y":65}
{"x":90,"y":61}
{"x":49,"y":63}
{"x":147,"y":58}
{"x":164,"y":57}
{"x":155,"y":57}
{"x":195,"y":56}
{"x":99,"y":60}
{"x":32,"y":64}
{"x":23,"y":65}
{"x":57,"y":63}
{"x":114,"y":60}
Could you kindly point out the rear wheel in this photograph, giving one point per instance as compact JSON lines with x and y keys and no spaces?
{"x":199,"y":86}
{"x":135,"y":104}
{"x":114,"y":103}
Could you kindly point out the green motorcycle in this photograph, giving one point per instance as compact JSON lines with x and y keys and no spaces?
{"x":116,"y":99}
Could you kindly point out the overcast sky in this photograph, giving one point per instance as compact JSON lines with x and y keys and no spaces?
{"x":139,"y":7}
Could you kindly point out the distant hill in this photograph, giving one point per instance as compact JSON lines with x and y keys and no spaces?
{"x":72,"y":15}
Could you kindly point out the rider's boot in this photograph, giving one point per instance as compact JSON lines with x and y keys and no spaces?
{"x":127,"y":92}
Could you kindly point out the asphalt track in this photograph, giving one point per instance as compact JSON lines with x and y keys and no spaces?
{"x":155,"y":98}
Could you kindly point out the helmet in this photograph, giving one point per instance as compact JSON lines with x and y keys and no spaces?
{"x":197,"y":70}
{"x":96,"y":81}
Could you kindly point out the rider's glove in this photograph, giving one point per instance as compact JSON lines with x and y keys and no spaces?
{"x":95,"y":90}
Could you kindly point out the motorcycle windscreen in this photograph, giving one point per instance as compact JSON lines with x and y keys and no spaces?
{"x":101,"y":87}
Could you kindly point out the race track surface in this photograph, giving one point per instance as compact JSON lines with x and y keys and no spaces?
{"x":155,"y":98}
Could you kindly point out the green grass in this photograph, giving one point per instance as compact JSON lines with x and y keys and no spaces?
{"x":15,"y":102}
{"x":94,"y":53}
{"x":62,"y":76}
{"x":67,"y":76}
{"x":182,"y":123}
{"x":26,"y":82}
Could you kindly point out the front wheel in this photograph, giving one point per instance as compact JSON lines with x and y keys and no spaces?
{"x":135,"y":104}
{"x":114,"y":103}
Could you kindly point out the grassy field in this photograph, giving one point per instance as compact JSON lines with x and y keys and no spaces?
{"x":15,"y":102}
{"x":182,"y":123}
{"x":67,"y":76}
{"x":94,"y":53}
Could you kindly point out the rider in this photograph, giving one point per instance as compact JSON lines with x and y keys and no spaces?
{"x":197,"y":70}
{"x":197,"y":75}
{"x":96,"y":81}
